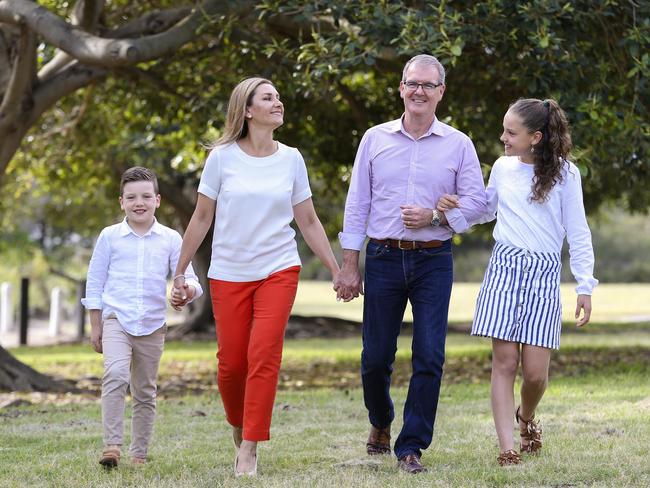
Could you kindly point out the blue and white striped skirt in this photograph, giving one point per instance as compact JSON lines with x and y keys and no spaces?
{"x":519,"y":299}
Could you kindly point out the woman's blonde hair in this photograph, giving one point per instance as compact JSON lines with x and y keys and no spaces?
{"x":240,"y":98}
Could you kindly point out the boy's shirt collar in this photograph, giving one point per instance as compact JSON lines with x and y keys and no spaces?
{"x":125,"y":229}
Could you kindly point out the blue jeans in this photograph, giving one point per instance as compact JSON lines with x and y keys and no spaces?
{"x":423,"y":277}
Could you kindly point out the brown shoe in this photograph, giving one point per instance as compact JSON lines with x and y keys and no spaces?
{"x":110,"y":457}
{"x":411,"y":464}
{"x":508,"y":458}
{"x":378,"y":441}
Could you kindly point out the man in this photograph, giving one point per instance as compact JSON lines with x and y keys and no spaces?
{"x":401,"y":169}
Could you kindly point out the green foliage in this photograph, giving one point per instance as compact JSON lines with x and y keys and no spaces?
{"x":337,"y":66}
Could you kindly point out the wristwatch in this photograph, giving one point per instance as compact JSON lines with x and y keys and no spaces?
{"x":435,"y":221}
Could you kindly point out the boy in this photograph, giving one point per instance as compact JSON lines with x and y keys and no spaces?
{"x":125,"y":293}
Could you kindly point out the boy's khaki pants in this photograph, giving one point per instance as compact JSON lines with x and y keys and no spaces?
{"x":134,"y":360}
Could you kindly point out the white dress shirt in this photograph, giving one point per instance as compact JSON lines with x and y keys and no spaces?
{"x":537,"y":226}
{"x":255,"y":197}
{"x":127,"y":275}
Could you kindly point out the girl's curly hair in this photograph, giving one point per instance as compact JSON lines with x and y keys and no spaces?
{"x":552,"y":151}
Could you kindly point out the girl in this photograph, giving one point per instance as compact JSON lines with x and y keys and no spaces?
{"x":258,"y":185}
{"x":536,"y":196}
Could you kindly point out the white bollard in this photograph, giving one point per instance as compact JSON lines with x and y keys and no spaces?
{"x":6,"y":308}
{"x":55,"y":311}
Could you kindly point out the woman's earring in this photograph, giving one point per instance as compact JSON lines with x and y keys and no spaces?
{"x":532,"y":149}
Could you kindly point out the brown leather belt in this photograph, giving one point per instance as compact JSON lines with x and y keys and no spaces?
{"x":407,"y":245}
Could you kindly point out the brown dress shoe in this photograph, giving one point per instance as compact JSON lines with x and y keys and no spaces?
{"x":378,"y":441}
{"x":411,"y":464}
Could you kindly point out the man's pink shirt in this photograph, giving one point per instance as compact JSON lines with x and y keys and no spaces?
{"x":393,"y":169}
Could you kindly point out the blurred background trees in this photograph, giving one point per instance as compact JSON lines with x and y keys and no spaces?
{"x":91,"y":87}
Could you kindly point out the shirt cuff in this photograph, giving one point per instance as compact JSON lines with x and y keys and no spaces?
{"x":456,"y":220}
{"x":300,"y":197}
{"x":351,"y":241}
{"x":92,"y":303}
{"x":207,"y":191}
{"x":198,"y":290}
{"x":587,"y":286}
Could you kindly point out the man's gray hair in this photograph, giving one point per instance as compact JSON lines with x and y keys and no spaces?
{"x":427,"y":60}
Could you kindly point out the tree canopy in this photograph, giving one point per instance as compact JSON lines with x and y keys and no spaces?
{"x":91,"y":87}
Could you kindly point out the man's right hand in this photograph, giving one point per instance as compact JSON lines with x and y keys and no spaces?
{"x":348,"y":284}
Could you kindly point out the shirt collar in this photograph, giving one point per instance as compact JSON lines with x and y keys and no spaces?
{"x":125,"y":228}
{"x":437,"y":127}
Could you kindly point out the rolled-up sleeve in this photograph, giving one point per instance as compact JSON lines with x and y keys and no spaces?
{"x":470,"y":190}
{"x":97,"y":273}
{"x":357,"y":204}
{"x":190,"y":276}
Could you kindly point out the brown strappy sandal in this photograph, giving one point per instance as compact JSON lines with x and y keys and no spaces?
{"x":508,"y":458}
{"x":531,"y":433}
{"x":110,"y":457}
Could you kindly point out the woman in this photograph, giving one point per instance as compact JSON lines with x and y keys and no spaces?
{"x":252,"y":186}
{"x":536,"y":196}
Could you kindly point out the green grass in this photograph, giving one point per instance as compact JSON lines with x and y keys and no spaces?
{"x":620,"y":302}
{"x":595,"y":433}
{"x":594,"y":416}
{"x":335,"y":362}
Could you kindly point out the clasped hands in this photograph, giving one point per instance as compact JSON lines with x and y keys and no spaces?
{"x":181,"y":293}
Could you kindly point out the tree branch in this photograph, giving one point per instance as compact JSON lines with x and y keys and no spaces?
{"x":137,"y":74}
{"x":19,"y":85}
{"x":150,"y":23}
{"x":44,"y":96}
{"x":61,"y":85}
{"x":5,"y":66}
{"x":85,"y":14}
{"x":100,"y":51}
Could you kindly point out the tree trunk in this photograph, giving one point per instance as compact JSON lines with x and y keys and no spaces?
{"x":17,"y":376}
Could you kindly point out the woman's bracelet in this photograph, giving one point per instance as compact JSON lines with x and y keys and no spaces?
{"x":178,"y":276}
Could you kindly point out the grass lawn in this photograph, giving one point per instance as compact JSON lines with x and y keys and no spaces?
{"x":620,"y":302}
{"x":594,"y":416}
{"x":595,"y":432}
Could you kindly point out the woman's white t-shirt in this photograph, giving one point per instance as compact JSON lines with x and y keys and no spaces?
{"x":541,"y":227}
{"x":255,"y":198}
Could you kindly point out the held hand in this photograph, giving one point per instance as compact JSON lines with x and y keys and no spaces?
{"x":96,"y":339}
{"x":584,"y":303}
{"x":348,"y":284}
{"x":181,"y":295}
{"x":447,"y":202}
{"x":415,"y":217}
{"x":179,"y":292}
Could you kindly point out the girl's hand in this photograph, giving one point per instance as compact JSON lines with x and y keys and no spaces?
{"x":583,"y":303}
{"x":447,"y":202}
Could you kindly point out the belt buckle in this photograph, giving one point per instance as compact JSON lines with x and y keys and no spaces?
{"x":399,"y":245}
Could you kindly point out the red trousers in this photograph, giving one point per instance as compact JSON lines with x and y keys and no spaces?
{"x":250,"y":319}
